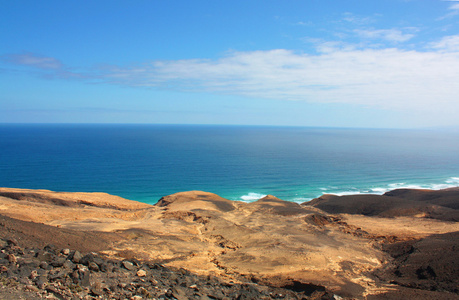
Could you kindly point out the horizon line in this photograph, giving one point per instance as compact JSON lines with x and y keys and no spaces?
{"x":235,"y":125}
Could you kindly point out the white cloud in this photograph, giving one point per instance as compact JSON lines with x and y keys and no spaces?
{"x":357,"y":20}
{"x":33,"y":60}
{"x":301,"y":23}
{"x":447,"y":44}
{"x":387,"y":78}
{"x":391,"y":35}
{"x":48,"y":67}
{"x":454,"y":7}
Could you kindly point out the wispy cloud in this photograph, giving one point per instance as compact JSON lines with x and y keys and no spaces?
{"x":454,"y":6}
{"x":357,"y":20}
{"x":33,"y":60}
{"x":454,"y":9}
{"x":302,"y":23}
{"x":50,"y":67}
{"x":391,"y":35}
{"x":388,"y":78}
{"x":447,"y":44}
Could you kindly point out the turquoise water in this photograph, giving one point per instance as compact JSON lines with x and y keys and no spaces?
{"x":146,"y":162}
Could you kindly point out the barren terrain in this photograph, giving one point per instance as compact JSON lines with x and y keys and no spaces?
{"x":353,"y":246}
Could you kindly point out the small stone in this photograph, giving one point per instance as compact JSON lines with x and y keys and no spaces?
{"x":17,"y":249}
{"x":97,"y":289}
{"x":42,"y":282}
{"x":58,"y":262}
{"x":50,"y":248}
{"x":84,"y":277}
{"x":194,"y":287}
{"x":59,"y":275}
{"x":43,"y":265}
{"x":75,"y":274}
{"x":179,"y":293}
{"x":33,"y":274}
{"x":45,"y":256}
{"x":12,"y":259}
{"x":13,"y":242}
{"x":68,"y":264}
{"x":76,"y":257}
{"x":32,"y":288}
{"x":93,"y":267}
{"x":143,"y":291}
{"x":136,"y":262}
{"x":169,"y":293}
{"x":85,"y":260}
{"x":54,"y":291}
{"x":3,"y":269}
{"x":141,"y":273}
{"x":136,"y":297}
{"x":106,"y":267}
{"x":65,"y":251}
{"x":128,"y":265}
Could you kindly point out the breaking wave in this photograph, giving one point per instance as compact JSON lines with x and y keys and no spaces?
{"x":252,"y":197}
{"x":448,"y":183}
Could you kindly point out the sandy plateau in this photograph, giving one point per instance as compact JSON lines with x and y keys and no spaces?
{"x":349,"y":245}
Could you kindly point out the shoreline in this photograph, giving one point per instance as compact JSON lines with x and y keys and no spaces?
{"x":293,"y":164}
{"x":351,"y":246}
{"x":450,"y":182}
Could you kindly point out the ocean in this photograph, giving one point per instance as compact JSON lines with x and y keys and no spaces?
{"x":146,"y":162}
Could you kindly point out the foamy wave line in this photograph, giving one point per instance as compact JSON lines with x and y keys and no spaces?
{"x":449,"y":183}
{"x":252,"y":197}
{"x":453,"y":180}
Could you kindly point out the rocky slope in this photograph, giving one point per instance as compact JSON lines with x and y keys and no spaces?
{"x":372,"y":247}
{"x":440,"y":205}
{"x":51,"y":272}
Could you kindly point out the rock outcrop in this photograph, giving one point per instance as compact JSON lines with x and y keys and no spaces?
{"x":441,"y":205}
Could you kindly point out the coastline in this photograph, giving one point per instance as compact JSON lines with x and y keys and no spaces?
{"x":378,"y":189}
{"x":348,"y":246}
{"x":143,"y":163}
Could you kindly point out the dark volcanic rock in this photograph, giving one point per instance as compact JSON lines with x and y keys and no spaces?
{"x":446,"y":197}
{"x":49,"y":272}
{"x":76,"y":256}
{"x":429,"y":264}
{"x":439,"y":205}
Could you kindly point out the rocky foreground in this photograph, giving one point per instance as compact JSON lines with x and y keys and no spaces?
{"x":197,"y":245}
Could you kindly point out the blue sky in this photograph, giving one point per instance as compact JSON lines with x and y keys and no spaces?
{"x":368,"y":63}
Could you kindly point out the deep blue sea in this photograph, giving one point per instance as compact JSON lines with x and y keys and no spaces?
{"x":146,"y":162}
